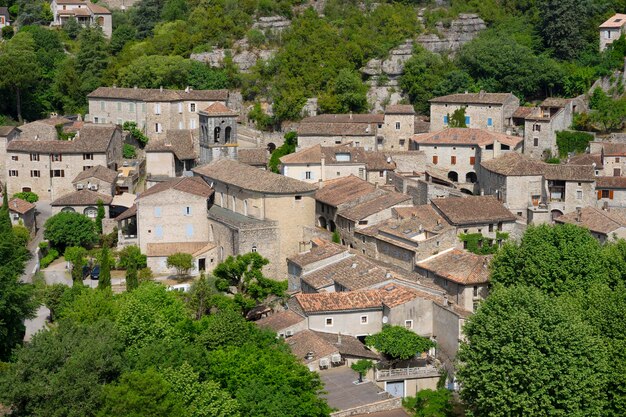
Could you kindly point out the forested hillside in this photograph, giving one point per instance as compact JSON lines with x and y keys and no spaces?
{"x":532,"y":48}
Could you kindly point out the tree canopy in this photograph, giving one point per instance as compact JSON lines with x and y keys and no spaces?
{"x":398,"y":342}
{"x":70,"y":229}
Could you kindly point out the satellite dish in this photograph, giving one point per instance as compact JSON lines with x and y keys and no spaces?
{"x":385,"y":319}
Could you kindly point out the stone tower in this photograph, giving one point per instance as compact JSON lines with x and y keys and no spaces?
{"x":218,"y":133}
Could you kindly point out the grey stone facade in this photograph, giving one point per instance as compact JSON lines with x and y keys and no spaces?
{"x":218,"y":137}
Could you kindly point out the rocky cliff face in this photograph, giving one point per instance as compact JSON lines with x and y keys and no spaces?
{"x":384,"y":75}
{"x":461,"y":31}
{"x":243,"y":54}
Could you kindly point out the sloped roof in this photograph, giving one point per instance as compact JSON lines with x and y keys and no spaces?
{"x":336,"y":129}
{"x":345,"y":118}
{"x":100,"y":172}
{"x":340,"y":190}
{"x":614,"y":149}
{"x":514,"y":164}
{"x":610,"y":182}
{"x":616,"y":21}
{"x":586,"y":159}
{"x":340,"y":301}
{"x":373,"y":160}
{"x":155,"y":94}
{"x":218,"y":109}
{"x":179,"y":142}
{"x":92,"y":138}
{"x":353,"y":273}
{"x":191,"y":185}
{"x":254,"y":157}
{"x":555,"y":102}
{"x":400,"y":109}
{"x":253,"y":179}
{"x":347,"y":345}
{"x":317,"y":253}
{"x":281,"y":320}
{"x":466,"y":136}
{"x":380,"y":200}
{"x":82,"y":198}
{"x":132,"y":211}
{"x":19,"y":206}
{"x":474,"y":98}
{"x":307,"y":341}
{"x":472,"y":210}
{"x":594,"y":219}
{"x":459,"y":266}
{"x":523,"y":112}
{"x":6,"y":130}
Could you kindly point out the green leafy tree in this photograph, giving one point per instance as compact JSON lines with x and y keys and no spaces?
{"x":200,"y":295}
{"x":129,"y":151}
{"x":131,"y":255}
{"x":140,"y":394}
{"x":563,"y":25}
{"x":70,"y":229}
{"x":72,"y":362}
{"x":347,"y":93}
{"x":27,"y":196}
{"x":76,"y":256}
{"x":100,"y":216}
{"x":289,"y":146}
{"x":183,"y":262}
{"x":132,"y":282}
{"x":429,"y":403}
{"x":336,"y":237}
{"x":545,"y":359}
{"x":362,"y":366}
{"x":136,"y":133}
{"x":556,"y":259}
{"x":243,"y":277}
{"x":21,"y":235}
{"x":104,"y":281}
{"x":145,"y":16}
{"x":422,"y":73}
{"x":72,"y":28}
{"x":92,"y":58}
{"x":18,"y":64}
{"x":399,"y":343}
{"x":228,"y":328}
{"x":458,"y":118}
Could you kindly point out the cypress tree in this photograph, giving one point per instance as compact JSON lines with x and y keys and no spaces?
{"x":131,"y":277}
{"x":105,"y":269}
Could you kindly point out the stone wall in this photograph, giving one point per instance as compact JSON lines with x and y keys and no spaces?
{"x":385,"y":405}
{"x":450,"y":39}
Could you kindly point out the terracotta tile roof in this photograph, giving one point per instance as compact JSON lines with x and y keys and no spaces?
{"x":400,"y":109}
{"x":253,"y":179}
{"x":345,"y":118}
{"x":310,"y":155}
{"x":281,"y":320}
{"x":523,"y":112}
{"x":347,"y":345}
{"x":340,"y":301}
{"x":373,"y":160}
{"x":586,"y":159}
{"x":341,"y":190}
{"x":614,"y":149}
{"x":19,"y":206}
{"x":336,"y":129}
{"x":514,"y":164}
{"x":192,"y":185}
{"x":610,"y":182}
{"x":92,"y":139}
{"x":421,"y":125}
{"x":378,"y":161}
{"x":353,"y":273}
{"x":594,"y":219}
{"x":100,"y":172}
{"x":423,"y":217}
{"x":466,"y":136}
{"x":178,"y":142}
{"x":317,"y":253}
{"x":132,"y":211}
{"x":459,"y":266}
{"x":373,"y":203}
{"x":474,"y":98}
{"x":555,"y":102}
{"x":97,"y":9}
{"x":6,"y":130}
{"x":170,"y":248}
{"x":307,"y":341}
{"x":82,"y":198}
{"x":616,"y":21}
{"x":394,"y":295}
{"x":149,"y":94}
{"x":218,"y":109}
{"x":472,"y":210}
{"x":254,"y":157}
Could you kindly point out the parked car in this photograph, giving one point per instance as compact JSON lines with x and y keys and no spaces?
{"x":86,"y":271}
{"x":95,"y":272}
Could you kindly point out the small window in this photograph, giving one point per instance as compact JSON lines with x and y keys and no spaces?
{"x":329,"y":322}
{"x":86,"y":167}
{"x":604,"y":194}
{"x":157,"y":108}
{"x":187,"y":211}
{"x":14,"y":158}
{"x":56,"y":157}
{"x":491,"y":227}
{"x":57,"y":173}
{"x":408,"y":324}
{"x":298,"y":197}
{"x":157,"y":127}
{"x":467,"y":120}
{"x":88,"y":156}
{"x":254,"y":248}
{"x":192,"y":107}
{"x":131,"y":107}
{"x":102,"y":105}
{"x":435,"y":159}
{"x":157,"y":212}
{"x":579,"y":194}
{"x":475,"y":290}
{"x":381,"y":174}
{"x":489,"y":122}
{"x":35,"y":173}
{"x":180,"y":107}
{"x":34,"y":157}
{"x":536,"y":142}
{"x":445,"y":120}
{"x":363,"y":319}
{"x":453,"y":160}
{"x":617,"y":160}
{"x":192,"y":124}
{"x":308,"y":175}
{"x":13,"y":173}
{"x":402,"y":142}
{"x":397,"y":125}
{"x":472,"y":160}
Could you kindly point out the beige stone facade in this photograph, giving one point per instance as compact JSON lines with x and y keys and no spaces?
{"x":85,"y":13}
{"x":48,"y":166}
{"x":611,"y":30}
{"x":7,"y":134}
{"x":542,"y":125}
{"x":155,"y":111}
{"x":489,"y":111}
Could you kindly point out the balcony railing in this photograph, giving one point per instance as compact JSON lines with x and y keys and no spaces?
{"x":404,"y":373}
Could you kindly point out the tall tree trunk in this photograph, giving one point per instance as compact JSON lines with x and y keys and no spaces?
{"x":18,"y":102}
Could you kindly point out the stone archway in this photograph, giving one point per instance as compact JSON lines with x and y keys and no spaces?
{"x":322,"y":222}
{"x":555,"y":214}
{"x":453,"y":176}
{"x":471,"y":177}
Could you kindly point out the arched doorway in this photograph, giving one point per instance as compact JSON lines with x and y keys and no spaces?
{"x":227,"y":134}
{"x":216,"y":134}
{"x":555,"y":214}
{"x":453,"y":176}
{"x":331,"y":226}
{"x":471,"y":177}
{"x":322,"y":222}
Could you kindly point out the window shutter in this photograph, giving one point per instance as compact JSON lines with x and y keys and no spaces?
{"x":472,"y":160}
{"x":611,"y":194}
{"x":599,"y":194}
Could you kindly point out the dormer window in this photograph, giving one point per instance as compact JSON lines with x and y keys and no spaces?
{"x":342,"y":157}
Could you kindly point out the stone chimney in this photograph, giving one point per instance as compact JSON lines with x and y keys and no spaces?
{"x":339,"y":339}
{"x":161,"y":89}
{"x":579,"y":214}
